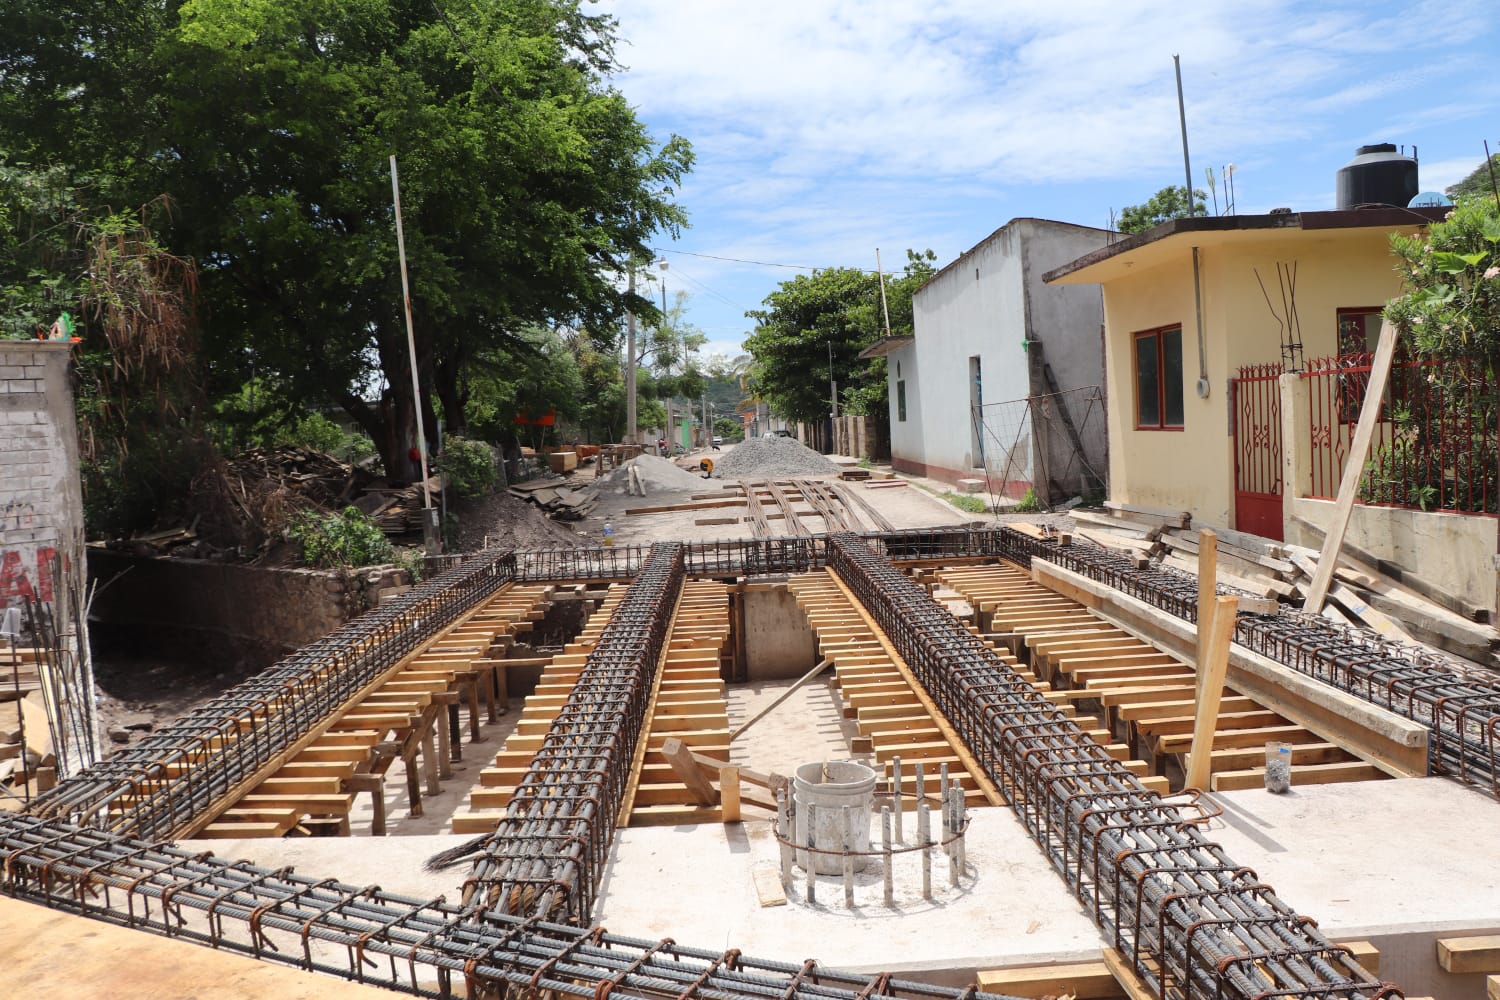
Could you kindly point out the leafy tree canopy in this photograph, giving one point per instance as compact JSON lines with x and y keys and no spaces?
{"x":814,"y":322}
{"x":1169,"y":203}
{"x":527,"y":180}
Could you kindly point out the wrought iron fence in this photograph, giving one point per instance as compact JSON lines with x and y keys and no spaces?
{"x":1434,"y":443}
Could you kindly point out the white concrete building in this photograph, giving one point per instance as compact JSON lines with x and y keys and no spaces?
{"x":974,"y":394}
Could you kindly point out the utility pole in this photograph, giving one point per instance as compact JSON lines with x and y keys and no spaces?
{"x":632,"y":433}
{"x":884,"y":309}
{"x":1187,"y":167}
{"x":430,"y":538}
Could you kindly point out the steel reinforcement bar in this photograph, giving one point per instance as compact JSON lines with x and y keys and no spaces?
{"x":1459,"y":706}
{"x":1192,"y":923}
{"x":158,"y":787}
{"x":427,"y":948}
{"x":547,"y":854}
{"x":750,"y":556}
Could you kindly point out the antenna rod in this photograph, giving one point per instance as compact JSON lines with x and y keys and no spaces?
{"x":1187,"y":167}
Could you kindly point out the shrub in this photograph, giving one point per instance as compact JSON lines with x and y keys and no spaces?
{"x":343,"y":540}
{"x":1028,"y":504}
{"x":967,"y":503}
{"x":469,"y":466}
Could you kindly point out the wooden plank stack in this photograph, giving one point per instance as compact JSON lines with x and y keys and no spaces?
{"x":560,"y":501}
{"x":1147,"y":697}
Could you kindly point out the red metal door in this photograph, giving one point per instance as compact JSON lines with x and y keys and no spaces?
{"x":1255,"y":409}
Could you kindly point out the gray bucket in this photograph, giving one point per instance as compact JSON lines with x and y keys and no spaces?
{"x":840,"y":794}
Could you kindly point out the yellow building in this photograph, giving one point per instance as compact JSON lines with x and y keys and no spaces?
{"x":1192,"y":302}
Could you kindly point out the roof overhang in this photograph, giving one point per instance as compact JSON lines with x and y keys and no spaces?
{"x":1169,"y":240}
{"x":884,"y":346}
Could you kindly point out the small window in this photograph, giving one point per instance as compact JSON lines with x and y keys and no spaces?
{"x":901,"y":400}
{"x":1359,"y":334}
{"x":1158,"y":379}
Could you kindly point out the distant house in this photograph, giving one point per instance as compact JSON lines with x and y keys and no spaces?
{"x":1236,"y":355}
{"x":1000,"y":381}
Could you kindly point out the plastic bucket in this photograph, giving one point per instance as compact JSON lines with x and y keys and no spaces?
{"x":839,"y":795}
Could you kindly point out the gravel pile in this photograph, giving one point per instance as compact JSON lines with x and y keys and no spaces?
{"x":658,"y":474}
{"x":759,"y":458}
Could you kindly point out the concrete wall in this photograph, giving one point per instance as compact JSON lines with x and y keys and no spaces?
{"x":779,"y":644}
{"x":1335,"y":269}
{"x":276,"y":610}
{"x":1451,"y":550}
{"x":41,"y":501}
{"x":987,"y":304}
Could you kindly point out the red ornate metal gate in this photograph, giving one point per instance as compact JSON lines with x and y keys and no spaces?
{"x":1255,"y":409}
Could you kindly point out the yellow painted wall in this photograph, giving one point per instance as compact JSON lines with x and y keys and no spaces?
{"x":1193,"y":469}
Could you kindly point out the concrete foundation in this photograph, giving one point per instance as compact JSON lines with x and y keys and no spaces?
{"x":779,"y":643}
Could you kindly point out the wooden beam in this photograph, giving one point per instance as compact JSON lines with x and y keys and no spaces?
{"x":1208,"y":577}
{"x":686,"y":768}
{"x":729,"y":793}
{"x":1130,"y":983}
{"x":1211,"y":671}
{"x":1470,"y":954}
{"x":1080,"y":980}
{"x":1354,"y":465}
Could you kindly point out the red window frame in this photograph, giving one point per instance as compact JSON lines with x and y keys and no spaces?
{"x":1156,"y":334}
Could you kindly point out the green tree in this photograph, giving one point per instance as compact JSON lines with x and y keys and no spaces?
{"x":820,"y":321}
{"x":527,"y":180}
{"x":1479,"y":182}
{"x":1450,"y":313}
{"x":1169,"y":203}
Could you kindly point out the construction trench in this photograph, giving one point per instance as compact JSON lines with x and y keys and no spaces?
{"x":998,"y":702}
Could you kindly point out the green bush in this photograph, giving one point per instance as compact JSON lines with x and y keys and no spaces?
{"x":469,"y":466}
{"x":966,"y":502}
{"x":344,"y":540}
{"x":1028,"y":504}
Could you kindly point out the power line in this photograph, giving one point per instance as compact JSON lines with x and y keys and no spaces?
{"x":765,"y":263}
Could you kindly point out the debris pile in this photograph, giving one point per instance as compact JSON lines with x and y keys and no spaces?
{"x":560,"y":501}
{"x":656,"y":475}
{"x":773,"y":458}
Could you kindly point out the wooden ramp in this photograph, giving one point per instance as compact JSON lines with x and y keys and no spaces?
{"x":1147,"y":697}
{"x":405,"y":716}
{"x":498,"y":782}
{"x":688,"y":705}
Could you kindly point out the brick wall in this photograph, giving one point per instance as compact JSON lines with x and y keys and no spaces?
{"x":41,"y":503}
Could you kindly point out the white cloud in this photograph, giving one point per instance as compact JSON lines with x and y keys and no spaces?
{"x":825,"y":128}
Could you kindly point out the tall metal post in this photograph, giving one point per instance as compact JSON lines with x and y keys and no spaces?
{"x":430,"y":537}
{"x":632,"y":432}
{"x":1187,"y":167}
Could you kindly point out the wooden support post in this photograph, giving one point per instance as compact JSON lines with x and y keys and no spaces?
{"x":375,"y":785}
{"x":680,"y":756}
{"x":429,"y":760}
{"x":1354,"y":466}
{"x":729,"y":793}
{"x":1210,"y":690}
{"x":1208,"y":575}
{"x":413,"y":783}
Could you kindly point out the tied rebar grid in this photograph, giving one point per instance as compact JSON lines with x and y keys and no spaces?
{"x":547,"y":854}
{"x":749,"y":556}
{"x":1459,"y":706}
{"x":426,"y":948}
{"x":1192,"y":923}
{"x":159,"y":787}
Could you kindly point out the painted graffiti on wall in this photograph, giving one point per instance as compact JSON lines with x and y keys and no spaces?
{"x":17,"y":514}
{"x":16,"y":582}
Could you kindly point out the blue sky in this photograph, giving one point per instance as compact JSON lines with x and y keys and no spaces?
{"x":827,"y":128}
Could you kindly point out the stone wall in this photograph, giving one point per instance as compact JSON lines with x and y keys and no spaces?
{"x":41,"y":501}
{"x":273,"y":611}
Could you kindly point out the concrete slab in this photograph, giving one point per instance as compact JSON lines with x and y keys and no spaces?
{"x":393,"y":863}
{"x":1397,"y":862}
{"x":696,"y":884}
{"x":88,"y":958}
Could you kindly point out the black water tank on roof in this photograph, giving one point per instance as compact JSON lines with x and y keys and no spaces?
{"x":1378,"y":175}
